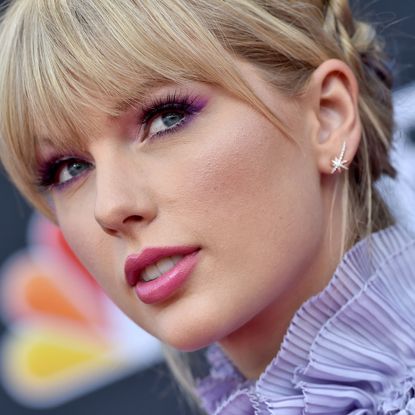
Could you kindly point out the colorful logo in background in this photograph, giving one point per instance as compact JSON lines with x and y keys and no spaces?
{"x":64,"y":337}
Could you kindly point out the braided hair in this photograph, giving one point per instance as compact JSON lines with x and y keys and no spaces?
{"x":364,"y":52}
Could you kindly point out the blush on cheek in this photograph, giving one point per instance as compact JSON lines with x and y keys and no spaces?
{"x":234,"y":168}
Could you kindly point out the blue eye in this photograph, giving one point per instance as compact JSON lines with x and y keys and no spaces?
{"x":168,"y":114}
{"x":61,"y":171}
{"x":70,"y":169}
{"x":166,"y":122}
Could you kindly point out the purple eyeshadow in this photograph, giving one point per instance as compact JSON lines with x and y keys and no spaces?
{"x":189,"y":107}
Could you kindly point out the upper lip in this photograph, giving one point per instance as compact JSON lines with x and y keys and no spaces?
{"x":136,"y":263}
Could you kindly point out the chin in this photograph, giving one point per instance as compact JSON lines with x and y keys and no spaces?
{"x":192,"y":331}
{"x":188,"y":340}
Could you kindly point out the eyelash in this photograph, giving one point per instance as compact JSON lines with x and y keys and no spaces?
{"x":187,"y":105}
{"x":48,"y":172}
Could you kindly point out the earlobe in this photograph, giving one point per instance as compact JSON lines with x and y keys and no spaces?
{"x":335,"y":94}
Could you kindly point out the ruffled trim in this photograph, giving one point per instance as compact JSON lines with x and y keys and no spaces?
{"x":335,"y":358}
{"x":223,"y":380}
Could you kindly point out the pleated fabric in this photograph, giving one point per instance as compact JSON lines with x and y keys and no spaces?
{"x":348,"y":350}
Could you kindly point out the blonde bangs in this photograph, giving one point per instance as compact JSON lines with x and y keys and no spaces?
{"x":62,"y":61}
{"x":67,"y":60}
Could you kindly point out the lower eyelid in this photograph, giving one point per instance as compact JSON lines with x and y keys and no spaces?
{"x":187,"y":119}
{"x":189,"y":105}
{"x":50,"y":171}
{"x":73,"y":180}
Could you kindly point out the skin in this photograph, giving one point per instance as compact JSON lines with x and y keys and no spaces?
{"x":258,"y":204}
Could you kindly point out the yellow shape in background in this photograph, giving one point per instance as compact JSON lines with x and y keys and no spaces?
{"x":64,"y":337}
{"x":46,"y":358}
{"x":42,"y":367}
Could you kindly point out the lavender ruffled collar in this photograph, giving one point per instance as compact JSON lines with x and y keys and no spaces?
{"x":349,"y":350}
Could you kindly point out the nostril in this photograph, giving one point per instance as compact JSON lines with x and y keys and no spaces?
{"x":109,"y":231}
{"x":133,"y":219}
{"x":130,"y":220}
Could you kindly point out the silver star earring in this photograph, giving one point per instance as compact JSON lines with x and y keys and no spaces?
{"x":339,"y":163}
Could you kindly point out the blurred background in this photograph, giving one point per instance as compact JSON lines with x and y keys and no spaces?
{"x":65,"y":349}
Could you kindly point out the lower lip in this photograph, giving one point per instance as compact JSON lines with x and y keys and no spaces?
{"x":167,"y":284}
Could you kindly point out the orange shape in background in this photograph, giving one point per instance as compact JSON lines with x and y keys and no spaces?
{"x":43,"y":296}
{"x":41,"y":287}
{"x":65,"y":337}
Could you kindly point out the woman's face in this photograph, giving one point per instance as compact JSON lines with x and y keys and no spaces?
{"x":199,"y":169}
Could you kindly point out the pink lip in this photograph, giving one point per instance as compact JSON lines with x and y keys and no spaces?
{"x":164,"y":286}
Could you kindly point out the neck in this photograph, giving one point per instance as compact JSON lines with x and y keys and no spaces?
{"x":253,"y":346}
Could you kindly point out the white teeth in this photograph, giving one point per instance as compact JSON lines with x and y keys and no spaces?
{"x":164,"y":264}
{"x":160,"y":267}
{"x":150,"y":273}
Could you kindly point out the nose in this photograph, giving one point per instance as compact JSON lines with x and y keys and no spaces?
{"x":123,"y":201}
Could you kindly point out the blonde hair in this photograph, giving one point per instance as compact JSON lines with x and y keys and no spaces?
{"x":61,"y":57}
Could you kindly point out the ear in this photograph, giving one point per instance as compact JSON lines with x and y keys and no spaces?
{"x":334,"y":94}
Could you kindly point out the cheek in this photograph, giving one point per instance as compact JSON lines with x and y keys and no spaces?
{"x":253,"y":201}
{"x":250,"y":179}
{"x":86,"y":238}
{"x":220,"y":176}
